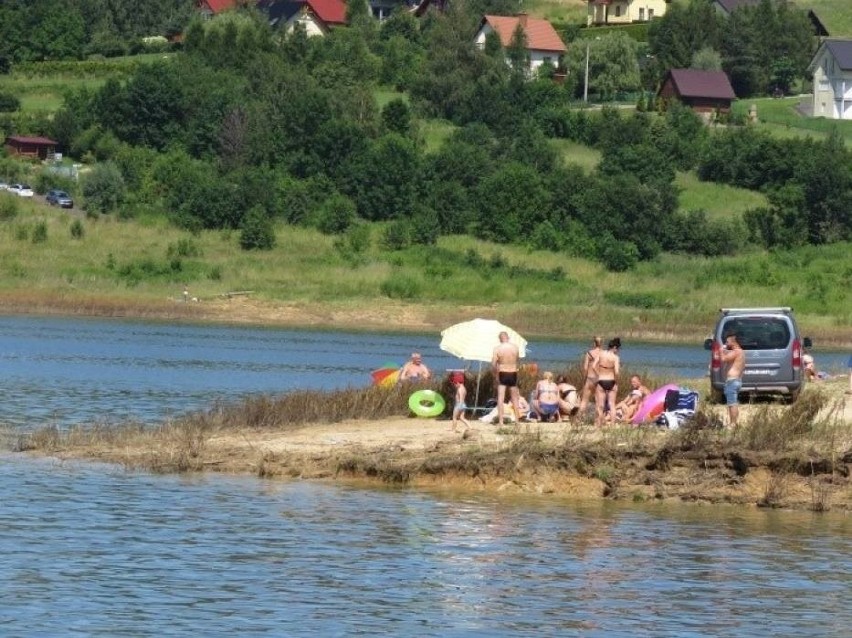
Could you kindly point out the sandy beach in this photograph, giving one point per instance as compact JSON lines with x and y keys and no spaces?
{"x":565,"y":459}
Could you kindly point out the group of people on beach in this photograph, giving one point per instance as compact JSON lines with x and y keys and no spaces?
{"x":554,"y":399}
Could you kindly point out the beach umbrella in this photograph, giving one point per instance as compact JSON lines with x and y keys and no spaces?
{"x":475,"y":340}
{"x":386,"y":376}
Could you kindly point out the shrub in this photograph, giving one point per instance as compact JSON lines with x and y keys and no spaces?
{"x":185,"y":247}
{"x":401,"y":287}
{"x":77,"y":231}
{"x":9,"y":103}
{"x":215,"y":273}
{"x":103,"y":188}
{"x":397,"y":235}
{"x":336,"y":215}
{"x":39,"y":235}
{"x":257,"y":232}
{"x":8,"y":207}
{"x":617,"y":256}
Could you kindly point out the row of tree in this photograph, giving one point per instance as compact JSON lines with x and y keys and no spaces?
{"x":35,"y":30}
{"x":246,"y":126}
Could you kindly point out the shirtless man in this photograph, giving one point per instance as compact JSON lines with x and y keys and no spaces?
{"x":415,"y":369}
{"x":734,"y":356}
{"x":504,"y":361}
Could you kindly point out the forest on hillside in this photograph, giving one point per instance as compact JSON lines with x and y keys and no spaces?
{"x":247,"y":126}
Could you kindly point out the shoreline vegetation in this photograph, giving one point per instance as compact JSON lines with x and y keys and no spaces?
{"x":795,"y":456}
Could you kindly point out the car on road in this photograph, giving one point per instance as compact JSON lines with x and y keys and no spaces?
{"x":773,"y":352}
{"x":59,"y":198}
{"x":21,"y":190}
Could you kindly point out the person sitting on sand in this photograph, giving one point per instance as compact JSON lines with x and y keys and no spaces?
{"x":545,"y":401}
{"x":630,"y":405}
{"x":568,"y":400}
{"x":509,"y":411}
{"x":809,"y":366}
{"x":414,"y":369}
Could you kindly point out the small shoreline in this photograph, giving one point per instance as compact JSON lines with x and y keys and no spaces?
{"x":806,"y":469}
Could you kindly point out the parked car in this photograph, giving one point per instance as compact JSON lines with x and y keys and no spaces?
{"x":21,"y":190}
{"x":773,"y":351}
{"x":59,"y":198}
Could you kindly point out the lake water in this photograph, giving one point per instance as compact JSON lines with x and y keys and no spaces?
{"x":65,"y":371}
{"x":92,"y":550}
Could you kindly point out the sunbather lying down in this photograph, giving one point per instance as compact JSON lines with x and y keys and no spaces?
{"x":508,"y":412}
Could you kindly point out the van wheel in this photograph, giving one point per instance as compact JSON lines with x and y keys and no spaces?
{"x":793,"y":396}
{"x":716,"y":396}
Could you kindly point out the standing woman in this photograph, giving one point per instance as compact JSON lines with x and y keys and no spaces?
{"x":606,"y":371}
{"x":589,"y":360}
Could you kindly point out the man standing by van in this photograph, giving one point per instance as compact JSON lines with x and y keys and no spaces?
{"x":734,"y":356}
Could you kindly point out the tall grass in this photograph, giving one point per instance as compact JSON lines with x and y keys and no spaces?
{"x":673,"y":297}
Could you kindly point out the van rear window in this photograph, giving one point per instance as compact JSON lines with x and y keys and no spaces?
{"x":758,"y":333}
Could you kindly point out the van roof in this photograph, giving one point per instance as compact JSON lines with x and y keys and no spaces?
{"x":762,"y":311}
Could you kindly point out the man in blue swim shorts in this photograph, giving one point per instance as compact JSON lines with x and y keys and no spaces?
{"x":734,"y":356}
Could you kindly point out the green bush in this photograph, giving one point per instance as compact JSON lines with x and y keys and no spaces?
{"x":8,"y":207}
{"x":39,"y":235}
{"x":257,"y":232}
{"x":397,"y":235}
{"x":9,"y":103}
{"x":336,"y":215}
{"x":103,"y":188}
{"x":401,"y":287}
{"x":77,"y":231}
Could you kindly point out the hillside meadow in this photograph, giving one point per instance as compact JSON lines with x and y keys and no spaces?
{"x":52,"y":260}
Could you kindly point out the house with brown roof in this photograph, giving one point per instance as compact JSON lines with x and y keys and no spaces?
{"x":832,"y":70}
{"x":543,"y":43}
{"x":705,"y":92}
{"x":624,"y":11}
{"x":41,"y":148}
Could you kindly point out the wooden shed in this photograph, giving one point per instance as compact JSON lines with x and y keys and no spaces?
{"x":35,"y":147}
{"x":703,"y":91}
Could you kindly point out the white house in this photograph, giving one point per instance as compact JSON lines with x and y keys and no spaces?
{"x":543,"y":43}
{"x":832,"y":71}
{"x":624,"y":11}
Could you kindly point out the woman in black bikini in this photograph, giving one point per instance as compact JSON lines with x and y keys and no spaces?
{"x":606,"y":371}
{"x":589,"y":360}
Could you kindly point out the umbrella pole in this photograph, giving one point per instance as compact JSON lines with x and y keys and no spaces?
{"x":478,"y":378}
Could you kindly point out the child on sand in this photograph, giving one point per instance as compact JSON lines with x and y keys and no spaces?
{"x":459,"y":406}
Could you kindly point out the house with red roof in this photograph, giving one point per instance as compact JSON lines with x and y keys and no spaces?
{"x":42,"y":148}
{"x":210,"y":8}
{"x":317,"y":17}
{"x":543,"y":43}
{"x":705,"y":92}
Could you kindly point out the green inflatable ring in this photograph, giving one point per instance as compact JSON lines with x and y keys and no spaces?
{"x":426,"y":403}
